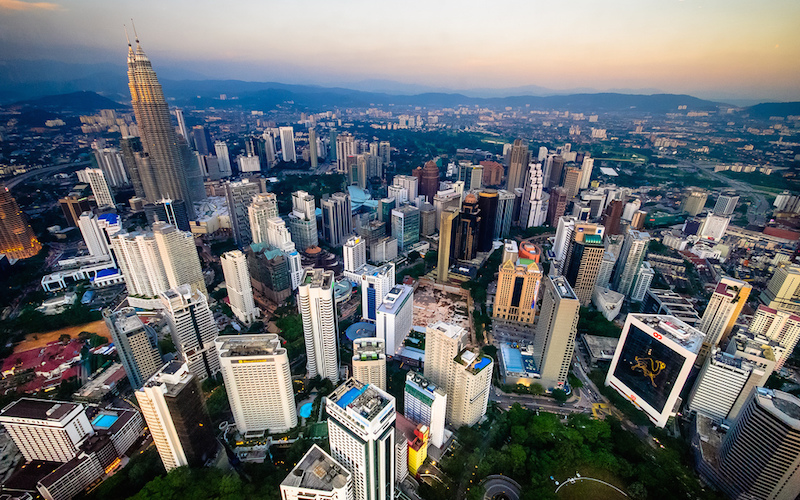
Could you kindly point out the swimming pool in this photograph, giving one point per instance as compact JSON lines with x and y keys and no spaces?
{"x":104,"y":421}
{"x":305,"y":410}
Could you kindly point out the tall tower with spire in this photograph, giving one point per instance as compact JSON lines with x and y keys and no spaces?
{"x":165,"y":168}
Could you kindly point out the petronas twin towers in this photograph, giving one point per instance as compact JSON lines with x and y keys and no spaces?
{"x":166,"y":168}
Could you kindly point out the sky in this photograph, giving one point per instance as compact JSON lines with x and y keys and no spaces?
{"x":706,"y":48}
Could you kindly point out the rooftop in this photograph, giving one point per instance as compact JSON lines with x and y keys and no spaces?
{"x":363,"y":399}
{"x":563,"y":288}
{"x":782,"y":405}
{"x":38,"y":409}
{"x":673,"y":329}
{"x":317,"y":471}
{"x":239,"y":346}
{"x":395,"y":298}
{"x":318,"y":278}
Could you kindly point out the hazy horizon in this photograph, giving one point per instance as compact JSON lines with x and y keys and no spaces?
{"x":710,"y":49}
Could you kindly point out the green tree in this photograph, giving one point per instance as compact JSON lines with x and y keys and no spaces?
{"x":560,"y":395}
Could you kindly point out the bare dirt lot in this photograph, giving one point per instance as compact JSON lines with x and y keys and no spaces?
{"x":34,"y":340}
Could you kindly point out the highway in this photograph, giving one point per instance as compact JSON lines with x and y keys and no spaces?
{"x":757,"y":213}
{"x":44,"y":171}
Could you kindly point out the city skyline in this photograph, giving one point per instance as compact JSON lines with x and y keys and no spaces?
{"x":709,"y":49}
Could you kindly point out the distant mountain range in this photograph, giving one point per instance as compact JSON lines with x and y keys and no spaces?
{"x":87,"y":88}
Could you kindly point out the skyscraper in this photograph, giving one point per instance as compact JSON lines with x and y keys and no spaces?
{"x":582,"y":263}
{"x":287,"y":144}
{"x":302,"y":220}
{"x":100,"y":188}
{"x":317,"y":475}
{"x":651,"y":364}
{"x":534,"y":202}
{"x":465,"y":241}
{"x":179,"y":257}
{"x":469,"y":397}
{"x":111,"y":162}
{"x":337,"y":218}
{"x":642,"y":283}
{"x":45,"y":430}
{"x":726,"y":204}
{"x":345,"y":147}
{"x":505,"y":214}
{"x":557,"y":204}
{"x":263,"y":207}
{"x":255,"y":369}
{"x":375,"y":284}
{"x":137,"y":344}
{"x":760,"y":455}
{"x":554,"y":342}
{"x":586,"y":171}
{"x":312,"y":147}
{"x":193,"y":329}
{"x":694,"y":201}
{"x":724,"y":306}
{"x":239,"y":196}
{"x":572,"y":181}
{"x":517,"y":165}
{"x":630,"y":260}
{"x":405,"y":226}
{"x":447,"y":230}
{"x":223,"y":157}
{"x":395,"y":317}
{"x":612,"y":217}
{"x":777,"y":325}
{"x":17,"y":240}
{"x":369,"y":361}
{"x":362,"y":437}
{"x":355,"y":253}
{"x":320,"y":327}
{"x":173,"y":406}
{"x":425,"y":403}
{"x":237,"y":282}
{"x":428,"y":180}
{"x":164,"y":173}
{"x":518,"y":285}
{"x":488,"y":203}
{"x":783,"y":290}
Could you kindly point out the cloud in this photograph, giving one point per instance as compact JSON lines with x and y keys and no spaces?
{"x":21,"y":5}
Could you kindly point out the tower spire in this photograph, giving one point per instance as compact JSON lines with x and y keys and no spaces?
{"x":128,"y":38}
{"x":136,"y":36}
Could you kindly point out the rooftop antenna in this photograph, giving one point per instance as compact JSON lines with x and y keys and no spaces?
{"x":126,"y":35}
{"x":136,"y":36}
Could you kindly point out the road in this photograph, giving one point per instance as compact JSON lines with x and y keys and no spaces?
{"x":497,"y":485}
{"x":44,"y":171}
{"x":757,"y":213}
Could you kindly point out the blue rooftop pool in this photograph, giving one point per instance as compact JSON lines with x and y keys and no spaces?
{"x":305,"y":410}
{"x":104,"y":421}
{"x":350,"y":396}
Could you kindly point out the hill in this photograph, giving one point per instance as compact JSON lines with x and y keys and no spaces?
{"x":767,"y":109}
{"x":83,"y":102}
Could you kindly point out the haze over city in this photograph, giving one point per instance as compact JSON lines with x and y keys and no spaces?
{"x":710,"y":49}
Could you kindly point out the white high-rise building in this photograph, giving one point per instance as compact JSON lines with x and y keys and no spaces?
{"x":100,"y":188}
{"x":780,"y":326}
{"x":642,"y":285}
{"x":95,"y":236}
{"x":303,"y":205}
{"x":425,"y":403}
{"x":240,"y":291}
{"x":563,"y":238}
{"x":395,"y":318}
{"x":586,"y":171}
{"x":320,"y":327}
{"x":355,"y":253}
{"x":110,"y":162}
{"x":223,"y":158}
{"x":723,"y":380}
{"x":193,"y":329}
{"x":46,"y":430}
{"x":317,"y":476}
{"x":179,"y":255}
{"x":141,"y":263}
{"x":409,"y":183}
{"x":375,"y":284}
{"x":173,"y":406}
{"x":181,"y":123}
{"x":653,"y":359}
{"x":278,"y":236}
{"x":263,"y":208}
{"x":337,"y":218}
{"x":460,"y":372}
{"x":303,"y":220}
{"x":470,"y":397}
{"x":369,"y":361}
{"x":287,"y":144}
{"x":606,"y":269}
{"x":362,"y":437}
{"x":345,"y":146}
{"x":630,"y":260}
{"x":258,"y":381}
{"x":714,"y":226}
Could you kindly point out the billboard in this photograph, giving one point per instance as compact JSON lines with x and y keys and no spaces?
{"x":648,"y":367}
